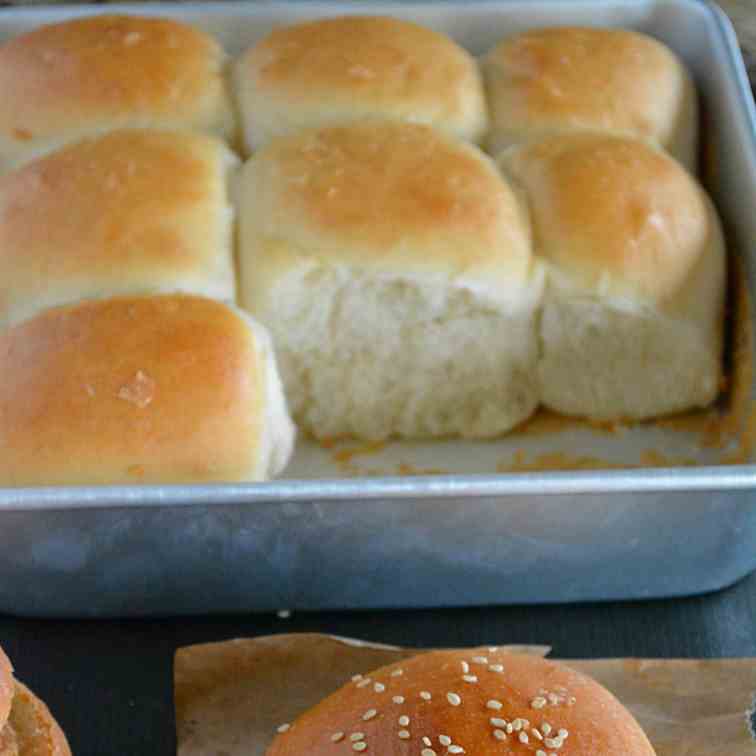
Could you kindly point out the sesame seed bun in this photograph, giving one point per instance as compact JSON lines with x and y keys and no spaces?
{"x":472,"y":701}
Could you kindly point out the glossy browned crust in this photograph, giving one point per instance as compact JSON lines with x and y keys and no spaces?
{"x":129,"y":390}
{"x":596,"y":722}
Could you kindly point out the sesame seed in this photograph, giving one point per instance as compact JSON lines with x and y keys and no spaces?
{"x":494,"y":704}
{"x":480,"y":660}
{"x":336,"y":737}
{"x":496,"y":722}
{"x":546,"y":728}
{"x":453,"y":699}
{"x":563,"y":733}
{"x":362,"y":683}
{"x":427,"y":741}
{"x":369,"y":714}
{"x":283,"y":728}
{"x":359,"y":746}
{"x":553,"y":742}
{"x":493,"y":649}
{"x":509,"y":728}
{"x":403,"y":734}
{"x":355,"y":736}
{"x":425,"y":695}
{"x":465,"y":667}
{"x":397,"y":673}
{"x":427,"y":752}
{"x":538,"y":703}
{"x":355,"y":678}
{"x":537,"y":734}
{"x":404,"y":720}
{"x":496,"y":667}
{"x":524,"y":737}
{"x":571,"y":701}
{"x":470,"y":678}
{"x":517,"y":724}
{"x":553,"y":698}
{"x":541,"y":753}
{"x":445,"y":740}
{"x":499,"y":734}
{"x":379,"y":687}
{"x":398,"y":699}
{"x":456,"y":749}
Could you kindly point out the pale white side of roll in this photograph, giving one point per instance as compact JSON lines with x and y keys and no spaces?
{"x":377,"y":354}
{"x":279,"y":435}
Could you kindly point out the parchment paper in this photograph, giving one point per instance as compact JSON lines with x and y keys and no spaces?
{"x":231,"y":696}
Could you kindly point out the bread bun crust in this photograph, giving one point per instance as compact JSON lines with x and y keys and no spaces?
{"x":6,"y":687}
{"x":466,"y":702}
{"x":91,"y":74}
{"x":134,"y":390}
{"x":337,"y":70}
{"x":133,"y":211}
{"x":31,"y":729}
{"x":565,"y":79}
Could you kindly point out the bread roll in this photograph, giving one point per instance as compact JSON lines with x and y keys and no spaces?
{"x":26,"y":726}
{"x":470,"y":701}
{"x":337,"y":70}
{"x":91,"y":75}
{"x":164,"y":389}
{"x":31,"y":730}
{"x":129,"y":212}
{"x":393,"y":267}
{"x":632,"y":320}
{"x":6,"y":690}
{"x":567,"y":79}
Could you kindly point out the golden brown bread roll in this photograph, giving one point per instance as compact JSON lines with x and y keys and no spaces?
{"x":632,"y":322}
{"x":471,"y":701}
{"x":98,"y":73}
{"x":31,"y":730}
{"x":388,"y":260}
{"x":338,"y":70}
{"x":133,"y":211}
{"x":567,"y":79}
{"x":6,"y":688}
{"x":26,"y":726}
{"x":163,"y":389}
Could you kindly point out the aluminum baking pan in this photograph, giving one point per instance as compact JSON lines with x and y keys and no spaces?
{"x":354,"y":527}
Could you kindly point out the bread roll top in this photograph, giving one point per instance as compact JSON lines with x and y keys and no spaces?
{"x":131,"y":211}
{"x":565,"y":79}
{"x":615,"y":217}
{"x":129,"y":390}
{"x":101,"y":72}
{"x":31,"y":729}
{"x":6,"y":688}
{"x":340,"y":69}
{"x":383,"y":196}
{"x":467,"y":701}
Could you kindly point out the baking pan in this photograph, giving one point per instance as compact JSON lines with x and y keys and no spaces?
{"x":356,"y":526}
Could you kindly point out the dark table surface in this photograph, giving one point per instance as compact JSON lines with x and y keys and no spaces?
{"x":110,"y":683}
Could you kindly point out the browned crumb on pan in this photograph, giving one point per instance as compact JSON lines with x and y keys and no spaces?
{"x":347,"y":454}
{"x":403,"y":468}
{"x":546,"y":423}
